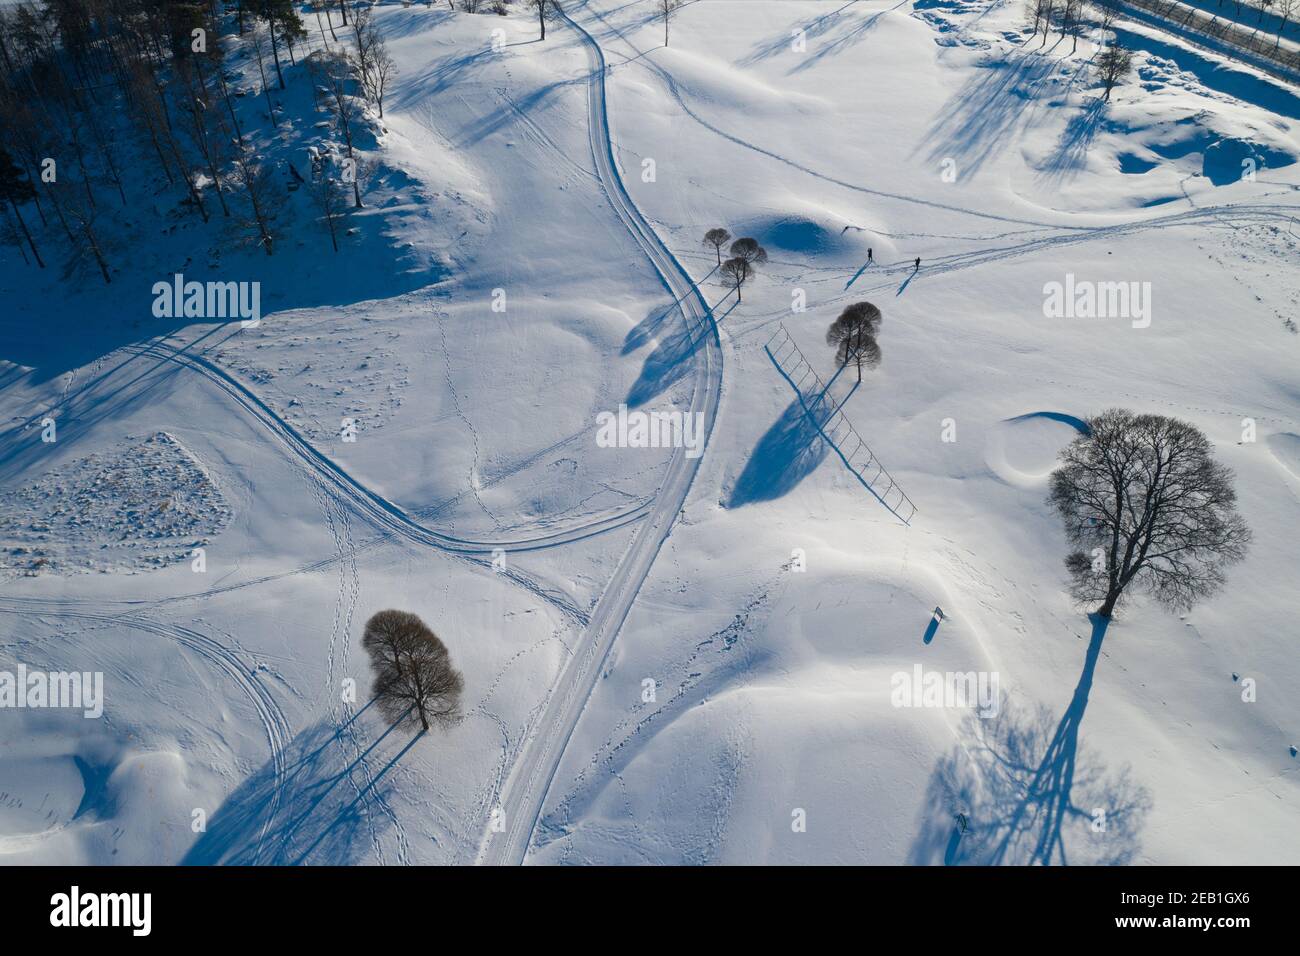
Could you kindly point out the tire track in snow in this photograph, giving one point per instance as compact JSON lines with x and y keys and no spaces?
{"x":273,"y":721}
{"x":524,"y":794}
{"x":384,"y":513}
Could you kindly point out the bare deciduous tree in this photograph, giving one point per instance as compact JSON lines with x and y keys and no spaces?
{"x":1113,"y":64}
{"x":1105,"y":17}
{"x":373,"y":63}
{"x":329,"y":192}
{"x":263,"y":198}
{"x":16,"y":188}
{"x":337,"y":74}
{"x":1285,"y":10}
{"x":1144,"y":501}
{"x":666,"y":8}
{"x":853,"y":336}
{"x":1042,"y":12}
{"x":737,"y":271}
{"x":717,"y":238}
{"x":749,"y":250}
{"x":541,"y":6}
{"x":414,"y":679}
{"x":1072,"y":21}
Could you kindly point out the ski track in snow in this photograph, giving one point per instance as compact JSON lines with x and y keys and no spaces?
{"x":384,"y":513}
{"x":269,"y":714}
{"x":524,"y":786}
{"x":530,"y":779}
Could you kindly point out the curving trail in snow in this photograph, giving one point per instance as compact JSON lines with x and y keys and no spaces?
{"x":385,"y":514}
{"x":522,"y":798}
{"x":274,"y":724}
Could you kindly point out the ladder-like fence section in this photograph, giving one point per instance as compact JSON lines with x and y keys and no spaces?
{"x":835,"y":427}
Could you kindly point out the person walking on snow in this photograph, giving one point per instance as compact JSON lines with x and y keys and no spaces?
{"x":917,"y":267}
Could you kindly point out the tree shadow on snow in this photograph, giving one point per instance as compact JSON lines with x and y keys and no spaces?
{"x":849,"y":38}
{"x":1019,"y":790}
{"x":780,"y":43}
{"x":978,"y":120}
{"x":329,"y":806}
{"x":673,"y":354}
{"x":1071,"y":151}
{"x":120,"y":385}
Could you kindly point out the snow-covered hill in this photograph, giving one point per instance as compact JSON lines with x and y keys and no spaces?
{"x":668,"y":659}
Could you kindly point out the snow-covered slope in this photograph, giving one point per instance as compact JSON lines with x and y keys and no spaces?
{"x":650,"y":677}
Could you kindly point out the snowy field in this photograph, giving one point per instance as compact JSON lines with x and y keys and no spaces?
{"x":669,"y":658}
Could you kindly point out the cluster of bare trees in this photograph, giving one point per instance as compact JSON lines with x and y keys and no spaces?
{"x":415,"y":682}
{"x":108,"y":103}
{"x":853,"y":336}
{"x":370,"y":61}
{"x":92,"y":89}
{"x":745,"y":256}
{"x":1071,"y":18}
{"x":544,"y":9}
{"x":1068,"y":16}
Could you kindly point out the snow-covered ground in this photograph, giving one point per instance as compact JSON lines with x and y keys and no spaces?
{"x":674,"y":659}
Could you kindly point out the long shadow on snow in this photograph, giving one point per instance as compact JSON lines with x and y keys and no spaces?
{"x":781,"y":42}
{"x":321,"y":818}
{"x":505,"y":114}
{"x":132,"y":382}
{"x":1016,"y":788}
{"x":672,"y":357}
{"x":977,"y":121}
{"x":790,"y":450}
{"x":847,"y":39}
{"x":1071,"y":153}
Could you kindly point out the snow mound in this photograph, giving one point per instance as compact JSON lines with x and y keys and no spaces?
{"x":143,"y":507}
{"x":1022,"y":451}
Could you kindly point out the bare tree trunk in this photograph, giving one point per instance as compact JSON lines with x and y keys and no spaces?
{"x":1108,"y":608}
{"x":27,"y":235}
{"x":275,"y":53}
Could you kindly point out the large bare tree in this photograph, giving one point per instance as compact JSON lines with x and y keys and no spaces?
{"x":1144,"y":502}
{"x":414,"y":679}
{"x":541,"y":6}
{"x":1113,"y":64}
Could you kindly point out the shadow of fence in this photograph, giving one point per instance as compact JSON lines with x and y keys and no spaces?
{"x":834,"y":427}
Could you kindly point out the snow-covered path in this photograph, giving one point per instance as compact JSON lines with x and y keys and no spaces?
{"x":524,"y":795}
